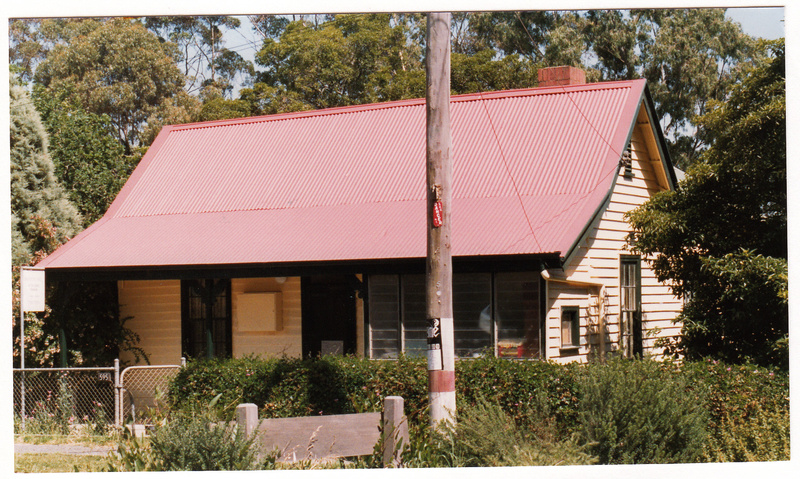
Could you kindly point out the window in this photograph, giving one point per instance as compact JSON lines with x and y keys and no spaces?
{"x":630,"y":291}
{"x":472,"y":314}
{"x":516,"y":301}
{"x":491,"y":311}
{"x":384,"y":316}
{"x":570,"y":327}
{"x":206,"y":318}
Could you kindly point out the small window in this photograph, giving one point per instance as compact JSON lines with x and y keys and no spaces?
{"x":570,"y":327}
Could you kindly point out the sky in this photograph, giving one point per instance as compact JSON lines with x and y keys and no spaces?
{"x":759,"y":22}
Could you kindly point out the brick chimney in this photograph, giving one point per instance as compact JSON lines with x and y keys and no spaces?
{"x":564,"y":75}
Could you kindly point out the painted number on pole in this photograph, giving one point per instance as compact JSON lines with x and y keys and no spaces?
{"x":437,"y":214}
{"x":32,"y":289}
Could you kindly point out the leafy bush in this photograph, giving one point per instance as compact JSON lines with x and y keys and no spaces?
{"x":285,"y":387}
{"x":741,"y":411}
{"x":638,"y":412}
{"x":192,"y":442}
{"x":748,"y":410}
{"x":487,"y":436}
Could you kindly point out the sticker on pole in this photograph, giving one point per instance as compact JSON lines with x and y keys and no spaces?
{"x":437,"y":214}
{"x":31,"y":289}
{"x":434,"y":351}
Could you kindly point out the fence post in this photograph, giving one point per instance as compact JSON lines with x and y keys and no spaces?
{"x":117,"y":395}
{"x":395,"y":430}
{"x":247,"y":417}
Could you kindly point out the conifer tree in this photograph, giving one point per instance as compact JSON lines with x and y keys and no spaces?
{"x":42,"y":215}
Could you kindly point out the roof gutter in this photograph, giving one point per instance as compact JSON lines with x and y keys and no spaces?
{"x":584,"y":283}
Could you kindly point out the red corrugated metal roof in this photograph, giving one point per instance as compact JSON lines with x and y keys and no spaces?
{"x":349,"y":183}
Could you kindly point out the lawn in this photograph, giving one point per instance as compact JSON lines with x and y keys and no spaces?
{"x":41,"y":463}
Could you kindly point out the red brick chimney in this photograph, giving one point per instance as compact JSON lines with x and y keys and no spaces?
{"x":564,"y":75}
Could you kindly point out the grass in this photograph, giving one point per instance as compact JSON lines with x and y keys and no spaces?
{"x":89,"y":440}
{"x":43,"y":463}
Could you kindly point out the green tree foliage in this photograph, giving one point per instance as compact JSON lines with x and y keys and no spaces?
{"x":120,"y":70}
{"x":31,"y":40}
{"x":345,"y":61}
{"x":481,"y":72}
{"x":42,"y":215}
{"x":88,"y":160}
{"x":690,"y":58}
{"x":354,"y":59}
{"x":204,"y":58}
{"x":720,"y":239}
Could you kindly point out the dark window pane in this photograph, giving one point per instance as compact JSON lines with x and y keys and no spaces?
{"x":570,"y":326}
{"x":207,"y":317}
{"x":472,"y":310}
{"x":415,"y":323}
{"x":517,"y":314}
{"x":384,"y":315}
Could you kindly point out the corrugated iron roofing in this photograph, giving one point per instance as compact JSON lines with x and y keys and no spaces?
{"x":349,"y":183}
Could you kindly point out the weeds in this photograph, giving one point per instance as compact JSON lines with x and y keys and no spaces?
{"x":197,"y":441}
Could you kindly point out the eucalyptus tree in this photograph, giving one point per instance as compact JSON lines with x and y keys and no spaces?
{"x":205,"y":60}
{"x":123,"y":71}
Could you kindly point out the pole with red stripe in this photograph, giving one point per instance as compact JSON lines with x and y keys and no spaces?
{"x":439,"y":268}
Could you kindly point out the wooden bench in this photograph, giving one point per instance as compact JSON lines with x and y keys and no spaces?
{"x":329,"y":437}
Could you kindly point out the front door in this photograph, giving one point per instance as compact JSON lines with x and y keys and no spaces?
{"x":329,"y":314}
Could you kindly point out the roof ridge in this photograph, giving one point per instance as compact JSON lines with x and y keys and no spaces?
{"x":462,"y":98}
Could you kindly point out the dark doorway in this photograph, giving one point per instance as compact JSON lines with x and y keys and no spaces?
{"x":329,"y":314}
{"x":206,"y":318}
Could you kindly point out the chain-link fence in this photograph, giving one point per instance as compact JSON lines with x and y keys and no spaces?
{"x":143,"y":391}
{"x":61,"y":401}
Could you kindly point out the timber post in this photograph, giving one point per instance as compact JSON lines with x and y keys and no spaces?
{"x":395,"y":431}
{"x":247,"y":417}
{"x":439,"y":268}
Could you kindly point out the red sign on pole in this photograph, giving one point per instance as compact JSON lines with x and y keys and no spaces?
{"x":437,"y":214}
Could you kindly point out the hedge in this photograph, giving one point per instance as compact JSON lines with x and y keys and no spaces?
{"x":746,"y":407}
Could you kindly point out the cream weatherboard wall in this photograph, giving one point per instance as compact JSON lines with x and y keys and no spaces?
{"x":590,"y":279}
{"x":155,"y":311}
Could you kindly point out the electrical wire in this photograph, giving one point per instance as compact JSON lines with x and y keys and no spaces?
{"x":600,"y":181}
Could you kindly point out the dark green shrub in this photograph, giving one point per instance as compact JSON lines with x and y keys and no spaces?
{"x":520,"y":387}
{"x":747,"y":407}
{"x":286,"y":387}
{"x":639,"y":412}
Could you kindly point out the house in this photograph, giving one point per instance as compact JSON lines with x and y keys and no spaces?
{"x":304,"y":233}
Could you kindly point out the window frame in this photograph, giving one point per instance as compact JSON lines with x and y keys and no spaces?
{"x":575,"y":328}
{"x":631,"y":320}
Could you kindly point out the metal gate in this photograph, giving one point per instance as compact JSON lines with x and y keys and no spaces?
{"x":143,"y":389}
{"x":73,"y":396}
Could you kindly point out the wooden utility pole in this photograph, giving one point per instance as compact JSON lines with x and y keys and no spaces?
{"x":439,"y":268}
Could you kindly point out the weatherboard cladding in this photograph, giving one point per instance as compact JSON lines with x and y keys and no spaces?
{"x":349,"y":183}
